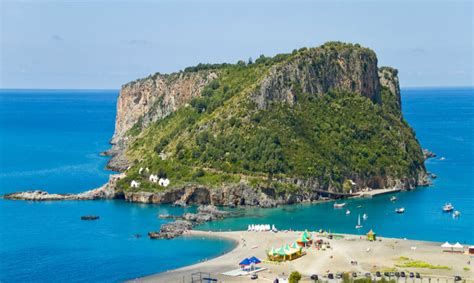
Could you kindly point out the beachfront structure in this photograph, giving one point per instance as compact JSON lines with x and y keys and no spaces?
{"x":134,"y":184}
{"x":284,"y":253}
{"x":371,"y":236}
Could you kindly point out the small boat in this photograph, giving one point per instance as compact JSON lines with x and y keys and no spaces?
{"x":442,"y":158}
{"x":358,"y":226}
{"x":448,"y":207}
{"x":339,"y":205}
{"x":400,"y":210}
{"x":456,"y":213}
{"x":393,"y":198}
{"x":348,"y":212}
{"x":365,"y":216}
{"x":89,"y":217}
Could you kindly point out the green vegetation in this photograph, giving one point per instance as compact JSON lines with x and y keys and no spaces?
{"x":466,"y":268}
{"x":222,"y":136}
{"x":411,"y":263}
{"x":295,"y":277}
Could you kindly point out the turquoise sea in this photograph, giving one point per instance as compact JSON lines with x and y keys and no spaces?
{"x":50,"y":140}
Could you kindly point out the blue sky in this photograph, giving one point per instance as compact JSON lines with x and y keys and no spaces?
{"x":104,"y":44}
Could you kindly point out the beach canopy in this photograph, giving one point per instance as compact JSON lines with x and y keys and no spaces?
{"x":254,"y":260}
{"x":295,"y":246}
{"x":306,"y":234}
{"x":272,"y":251}
{"x":446,"y":245}
{"x":458,"y":246}
{"x":303,"y":239}
{"x":281,"y":251}
{"x":245,"y":262}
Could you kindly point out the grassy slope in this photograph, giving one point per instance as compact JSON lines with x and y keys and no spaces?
{"x":222,"y":138}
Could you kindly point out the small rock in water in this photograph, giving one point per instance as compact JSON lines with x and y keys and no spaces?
{"x":89,"y":217}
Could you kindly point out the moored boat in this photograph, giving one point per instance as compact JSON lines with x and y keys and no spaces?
{"x":393,"y":198}
{"x":448,"y":207}
{"x":348,"y":212}
{"x":365,"y":216}
{"x":400,"y":210}
{"x":89,"y":217}
{"x":339,"y":205}
{"x":456,"y":213}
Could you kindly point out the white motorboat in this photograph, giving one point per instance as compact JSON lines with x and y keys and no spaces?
{"x":400,"y":210}
{"x":339,"y":205}
{"x":393,"y":198}
{"x":456,"y":213}
{"x":365,"y":216}
{"x":348,"y":212}
{"x":448,"y":207}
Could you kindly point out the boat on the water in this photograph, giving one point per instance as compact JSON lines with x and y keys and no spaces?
{"x":89,"y":217}
{"x":456,"y":213}
{"x":393,"y":198}
{"x":339,"y":205}
{"x":365,"y":216}
{"x":358,"y":226}
{"x":400,"y":210}
{"x":448,"y":207}
{"x":348,"y":212}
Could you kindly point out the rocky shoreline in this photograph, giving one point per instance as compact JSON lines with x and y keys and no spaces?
{"x":186,"y":222}
{"x":106,"y":191}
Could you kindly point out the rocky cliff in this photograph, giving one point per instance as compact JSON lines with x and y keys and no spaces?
{"x":317,"y":70}
{"x":145,"y":101}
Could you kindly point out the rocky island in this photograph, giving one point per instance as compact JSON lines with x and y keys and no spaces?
{"x":322,"y":122}
{"x":317,"y":122}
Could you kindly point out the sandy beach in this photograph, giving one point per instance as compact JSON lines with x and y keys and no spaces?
{"x":381,"y":255}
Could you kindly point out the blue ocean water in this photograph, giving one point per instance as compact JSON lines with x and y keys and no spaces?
{"x":50,"y":140}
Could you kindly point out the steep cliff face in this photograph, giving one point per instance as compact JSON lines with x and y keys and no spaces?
{"x":388,"y":77}
{"x":316,"y":122}
{"x":317,"y":70}
{"x":145,"y":101}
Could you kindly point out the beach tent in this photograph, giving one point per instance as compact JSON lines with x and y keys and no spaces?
{"x":306,"y":234}
{"x":458,"y":246}
{"x":371,"y":236}
{"x":303,"y":241}
{"x":446,"y":245}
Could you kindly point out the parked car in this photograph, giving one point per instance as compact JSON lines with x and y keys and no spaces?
{"x":378,"y":274}
{"x":254,"y":276}
{"x":457,"y":278}
{"x":392,"y":274}
{"x":412,"y":275}
{"x":339,"y":275}
{"x":368,"y":275}
{"x":386,"y":274}
{"x":417,"y":275}
{"x":402,"y":274}
{"x":314,"y":277}
{"x":397,"y":274}
{"x":331,"y":276}
{"x":354,"y":274}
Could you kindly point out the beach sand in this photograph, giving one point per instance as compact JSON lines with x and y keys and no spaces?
{"x":383,"y":255}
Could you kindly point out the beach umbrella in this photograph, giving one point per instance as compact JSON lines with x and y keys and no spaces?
{"x":281,"y":251}
{"x":295,"y":245}
{"x":272,"y":251}
{"x":254,"y":260}
{"x":306,"y":234}
{"x":245,"y":262}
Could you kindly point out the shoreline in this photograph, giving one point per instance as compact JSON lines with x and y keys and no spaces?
{"x":381,"y":255}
